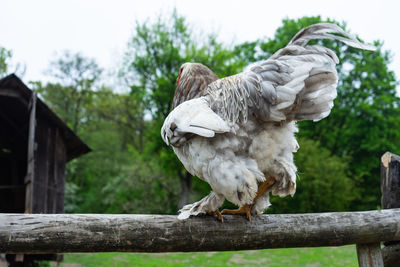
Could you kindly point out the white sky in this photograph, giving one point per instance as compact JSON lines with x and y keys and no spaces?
{"x":36,"y":30}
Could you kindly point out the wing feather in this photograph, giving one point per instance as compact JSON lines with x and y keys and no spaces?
{"x":192,"y":117}
{"x":298,"y":82}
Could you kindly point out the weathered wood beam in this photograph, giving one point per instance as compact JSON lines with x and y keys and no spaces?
{"x":390,"y":187}
{"x":30,"y":169}
{"x":391,"y":254}
{"x":54,"y":233}
{"x":369,"y":255}
{"x":390,"y":181}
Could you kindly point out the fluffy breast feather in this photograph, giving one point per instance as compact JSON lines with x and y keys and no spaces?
{"x":233,"y":163}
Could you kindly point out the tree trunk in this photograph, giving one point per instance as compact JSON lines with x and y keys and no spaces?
{"x":186,"y":184}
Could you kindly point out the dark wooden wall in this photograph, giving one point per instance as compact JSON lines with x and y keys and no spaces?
{"x":13,"y":151}
{"x":49,"y":177}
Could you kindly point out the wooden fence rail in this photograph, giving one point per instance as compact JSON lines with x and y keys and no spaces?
{"x":52,"y":233}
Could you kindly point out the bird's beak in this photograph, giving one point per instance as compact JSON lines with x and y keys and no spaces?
{"x":164,"y":135}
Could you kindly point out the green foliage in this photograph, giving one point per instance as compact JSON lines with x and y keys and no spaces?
{"x":40,"y":264}
{"x":7,"y":66}
{"x":76,"y":78}
{"x":81,"y":104}
{"x":75,"y":70}
{"x":5,"y":56}
{"x":72,"y":197}
{"x":143,"y":189}
{"x":156,"y":52}
{"x":116,"y":177}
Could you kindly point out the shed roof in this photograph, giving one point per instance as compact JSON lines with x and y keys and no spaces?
{"x":12,"y":86}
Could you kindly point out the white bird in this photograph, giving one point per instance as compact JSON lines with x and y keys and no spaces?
{"x":238,"y":133}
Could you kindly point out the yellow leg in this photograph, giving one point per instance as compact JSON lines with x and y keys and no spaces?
{"x":242,"y":210}
{"x":270,"y":181}
{"x":219,"y":215}
{"x":245,"y":210}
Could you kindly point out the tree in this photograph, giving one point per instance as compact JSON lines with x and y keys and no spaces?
{"x":5,"y":56}
{"x":76,"y":78}
{"x":7,"y":66}
{"x":72,"y":96}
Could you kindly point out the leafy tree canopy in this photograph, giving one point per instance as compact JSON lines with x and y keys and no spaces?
{"x":5,"y":56}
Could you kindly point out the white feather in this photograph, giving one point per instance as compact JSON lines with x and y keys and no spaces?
{"x":194,"y":116}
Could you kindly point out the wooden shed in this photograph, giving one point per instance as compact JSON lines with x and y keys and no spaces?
{"x":35,"y":145}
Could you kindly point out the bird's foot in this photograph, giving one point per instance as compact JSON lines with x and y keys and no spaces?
{"x":264,"y":186}
{"x":216,"y":212}
{"x":245,"y":210}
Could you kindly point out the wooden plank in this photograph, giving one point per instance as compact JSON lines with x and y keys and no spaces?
{"x":11,"y":92}
{"x":41,"y":167}
{"x":390,"y":187}
{"x":17,"y":129}
{"x":390,"y":255}
{"x":57,"y":233}
{"x":8,"y":187}
{"x":369,"y":255}
{"x":48,"y":159}
{"x":390,"y":181}
{"x":60,"y":159}
{"x":30,"y":173}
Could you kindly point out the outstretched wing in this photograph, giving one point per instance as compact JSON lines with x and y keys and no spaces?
{"x":297,"y":83}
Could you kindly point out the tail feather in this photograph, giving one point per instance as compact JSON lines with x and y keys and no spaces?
{"x":298,"y":82}
{"x":327,"y":31}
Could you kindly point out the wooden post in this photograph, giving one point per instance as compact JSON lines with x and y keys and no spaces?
{"x":30,"y":172}
{"x":390,"y":187}
{"x":369,"y":255}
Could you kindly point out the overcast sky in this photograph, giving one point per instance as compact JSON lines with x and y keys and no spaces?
{"x":36,"y":30}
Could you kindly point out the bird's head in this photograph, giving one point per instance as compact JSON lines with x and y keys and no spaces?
{"x":193,"y":69}
{"x":192,"y":82}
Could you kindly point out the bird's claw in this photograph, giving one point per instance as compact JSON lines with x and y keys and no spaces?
{"x":245,"y":210}
{"x":218,"y":213}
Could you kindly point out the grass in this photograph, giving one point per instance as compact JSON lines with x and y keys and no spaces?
{"x":324,"y":256}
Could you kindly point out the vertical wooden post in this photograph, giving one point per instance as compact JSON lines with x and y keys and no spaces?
{"x":369,"y":255}
{"x":390,"y":187}
{"x":30,"y":171}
